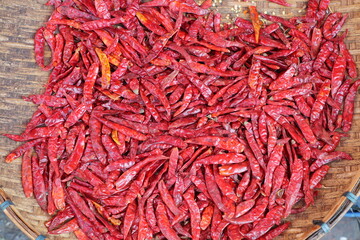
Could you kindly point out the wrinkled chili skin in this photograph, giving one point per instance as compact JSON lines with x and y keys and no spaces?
{"x":160,"y":122}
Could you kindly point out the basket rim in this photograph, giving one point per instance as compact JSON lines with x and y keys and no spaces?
{"x":340,"y":208}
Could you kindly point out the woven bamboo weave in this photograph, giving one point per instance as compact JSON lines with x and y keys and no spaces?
{"x":19,"y":76}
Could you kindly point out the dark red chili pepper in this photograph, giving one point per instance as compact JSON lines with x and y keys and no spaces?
{"x":76,"y":154}
{"x":294,"y":185}
{"x":39,"y":184}
{"x":349,"y":106}
{"x":163,"y":222}
{"x":320,"y":101}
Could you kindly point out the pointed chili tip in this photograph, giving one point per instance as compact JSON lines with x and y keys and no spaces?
{"x":11,"y":157}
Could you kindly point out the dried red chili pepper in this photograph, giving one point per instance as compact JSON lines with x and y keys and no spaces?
{"x":39,"y":184}
{"x":26,"y":174}
{"x":163,"y":222}
{"x":294,"y":185}
{"x":349,"y":106}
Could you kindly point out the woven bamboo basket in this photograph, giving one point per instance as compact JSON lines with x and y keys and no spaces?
{"x":19,"y":76}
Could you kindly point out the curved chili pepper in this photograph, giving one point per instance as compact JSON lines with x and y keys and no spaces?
{"x":253,"y":214}
{"x":77,"y":153}
{"x":39,"y":184}
{"x":274,"y":161}
{"x":349,"y":106}
{"x":244,"y":207}
{"x":320,"y":101}
{"x":294,"y":185}
{"x":163,"y":222}
{"x":127,"y":176}
{"x":195,"y":218}
{"x":325,"y":158}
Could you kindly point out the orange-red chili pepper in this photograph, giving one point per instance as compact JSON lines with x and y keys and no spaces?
{"x":254,"y":15}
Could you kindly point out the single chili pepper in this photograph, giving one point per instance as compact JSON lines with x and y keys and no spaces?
{"x":219,"y":230}
{"x":68,"y":227}
{"x":350,"y":63}
{"x":333,"y":24}
{"x":265,"y":224}
{"x":19,"y":151}
{"x":213,"y":188}
{"x":26,"y":175}
{"x":294,"y":185}
{"x":167,"y":199}
{"x":249,"y":134}
{"x":277,"y":19}
{"x":281,"y":2}
{"x":60,"y":218}
{"x":282,"y":82}
{"x":195,"y":217}
{"x":252,"y":190}
{"x":338,"y":74}
{"x":320,"y":101}
{"x":276,"y":231}
{"x":325,"y":158}
{"x":76,"y":155}
{"x":278,"y":178}
{"x":84,"y":223}
{"x":105,"y":68}
{"x":290,"y":93}
{"x":127,"y":176}
{"x":39,"y":184}
{"x":50,"y":101}
{"x":95,"y":127}
{"x":163,"y":222}
{"x":122,"y":129}
{"x":226,"y":186}
{"x":318,"y":175}
{"x":244,"y":207}
{"x":129,"y":218}
{"x":325,"y":50}
{"x":349,"y":107}
{"x":39,"y":47}
{"x":305,"y":129}
{"x":223,"y":159}
{"x":274,"y":161}
{"x":235,"y":168}
{"x":302,"y":106}
{"x":309,"y":198}
{"x":206,"y":217}
{"x":253,"y":80}
{"x":253,"y":214}
{"x":150,"y":213}
{"x":220,"y":142}
{"x":58,"y":194}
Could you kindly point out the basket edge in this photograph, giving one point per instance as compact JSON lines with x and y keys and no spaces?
{"x":337,"y":212}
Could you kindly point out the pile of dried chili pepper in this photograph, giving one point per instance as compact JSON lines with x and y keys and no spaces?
{"x":159,"y":121}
